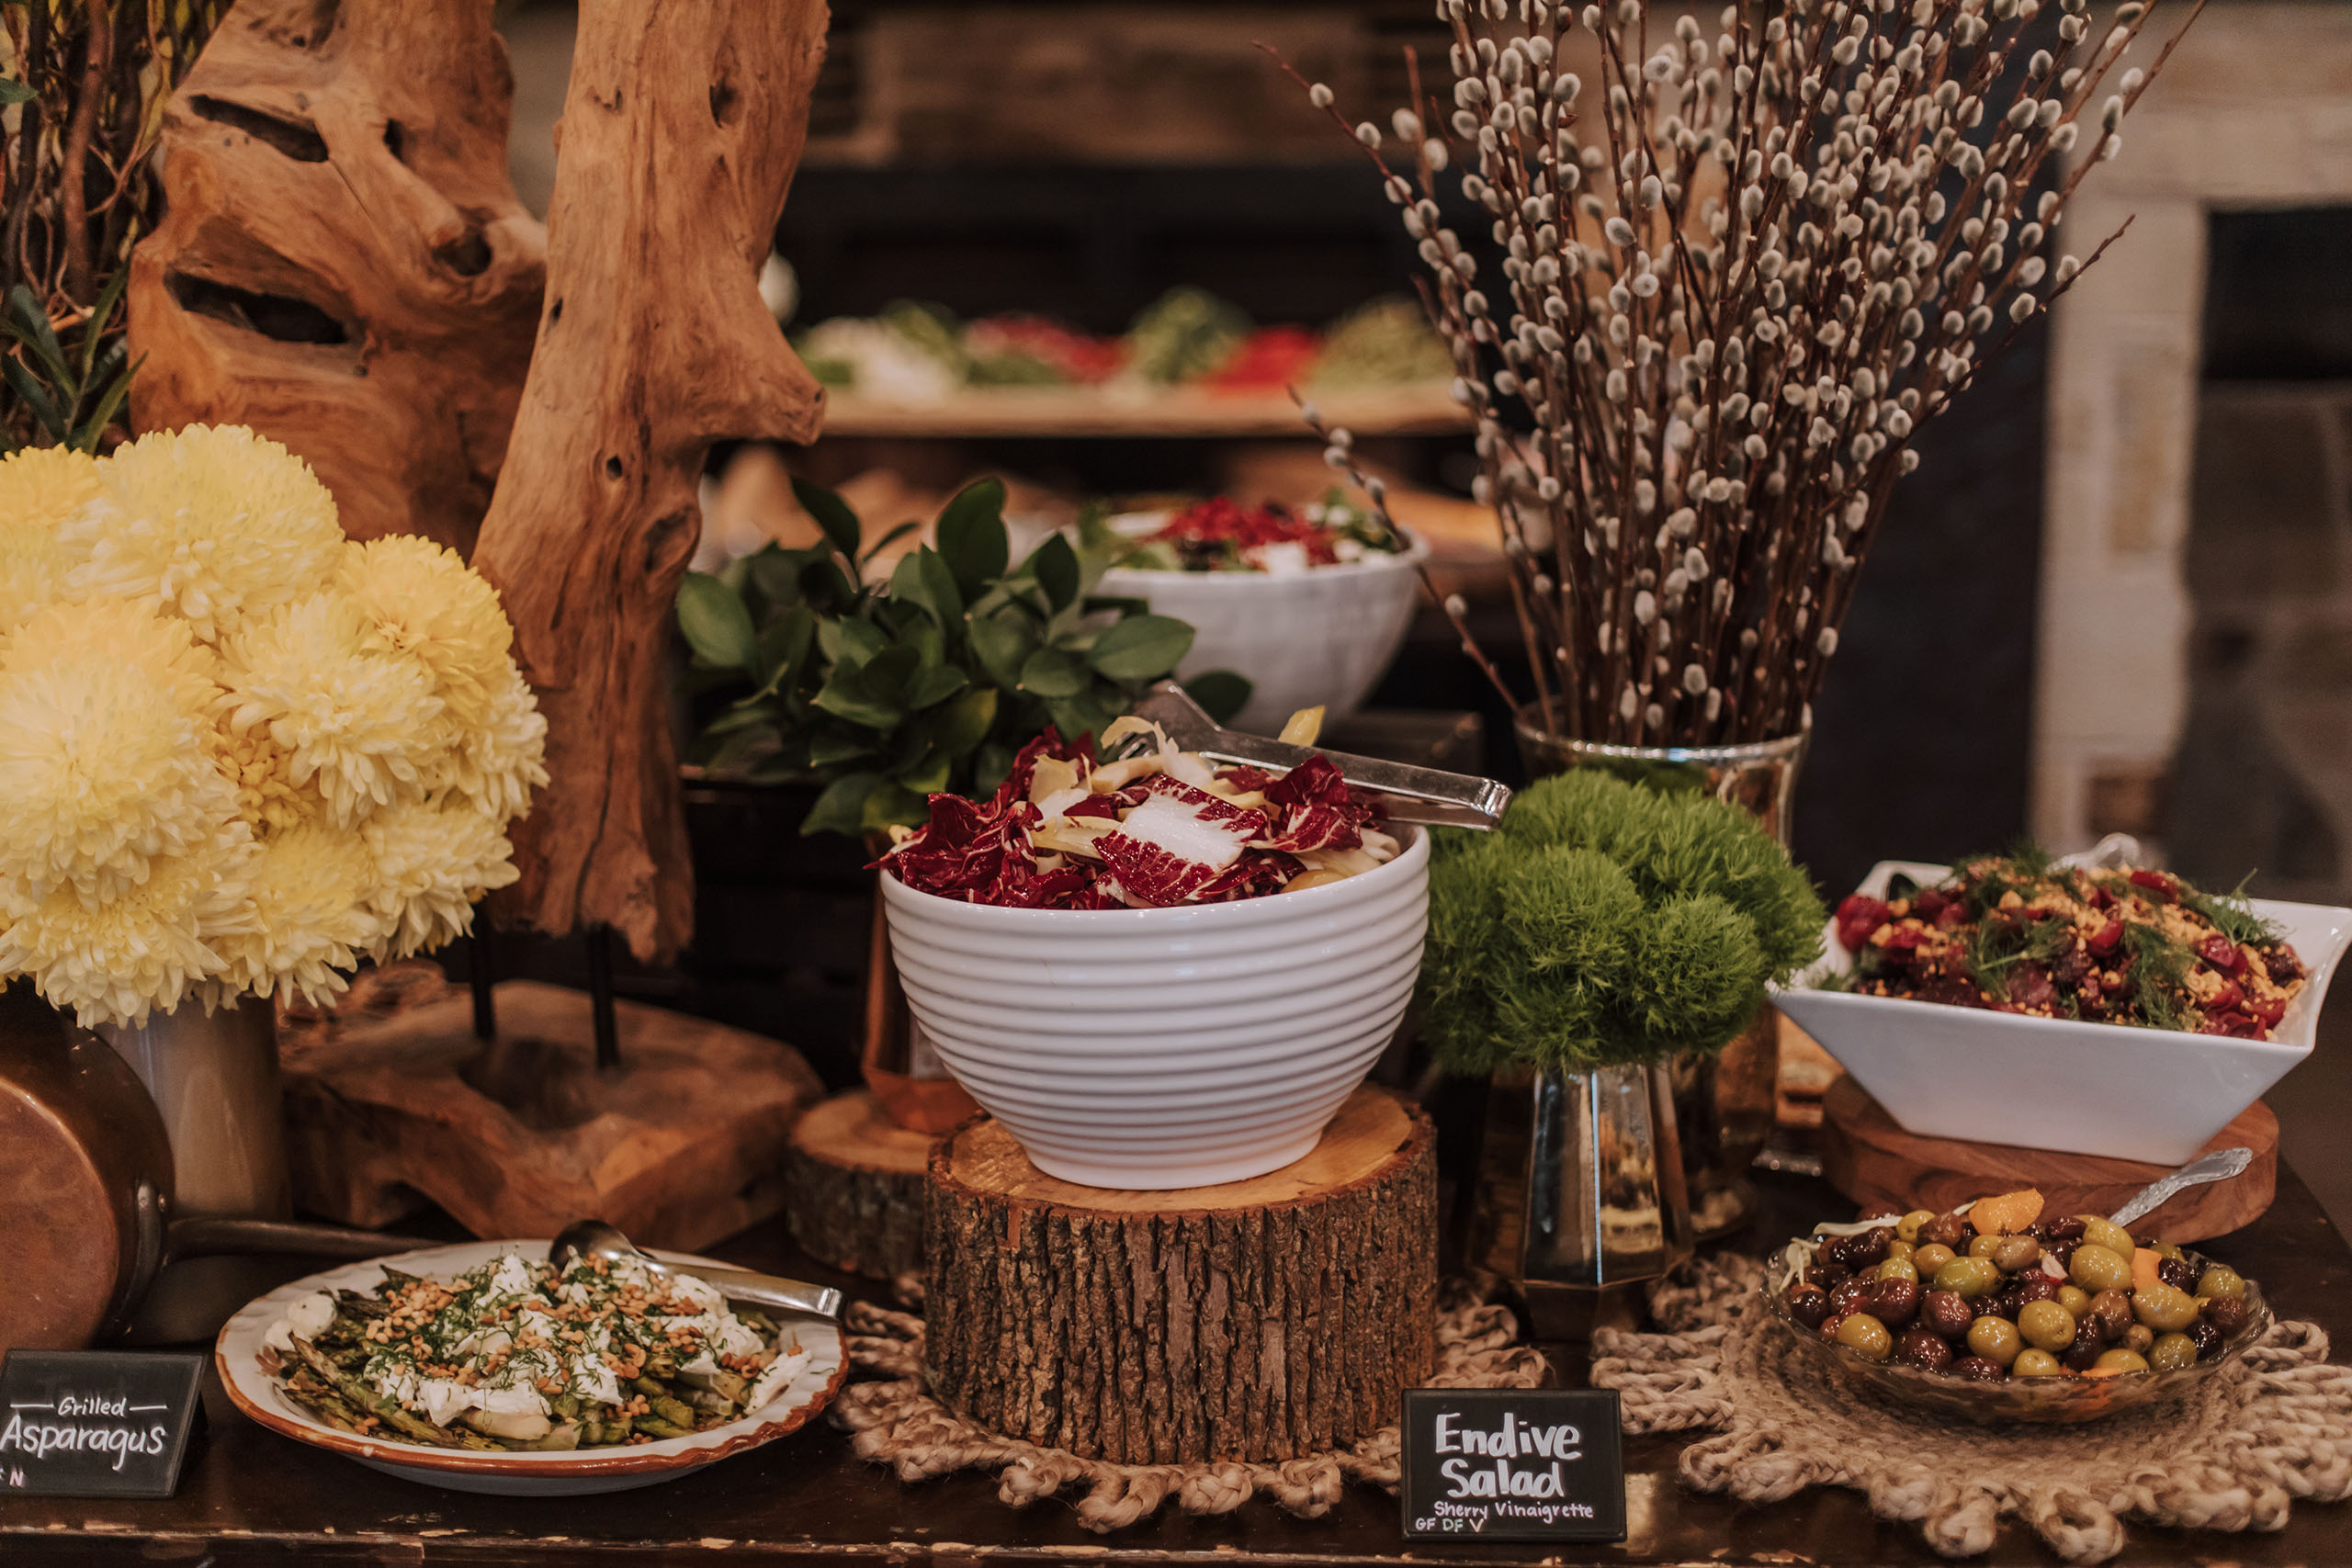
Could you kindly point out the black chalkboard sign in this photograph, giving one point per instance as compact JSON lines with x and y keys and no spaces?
{"x":96,"y":1423}
{"x":1513,"y":1464}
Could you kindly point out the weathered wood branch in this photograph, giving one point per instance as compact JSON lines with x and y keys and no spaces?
{"x":343,"y":263}
{"x":680,"y":131}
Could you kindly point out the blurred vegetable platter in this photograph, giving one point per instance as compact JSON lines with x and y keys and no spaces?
{"x":894,"y":691}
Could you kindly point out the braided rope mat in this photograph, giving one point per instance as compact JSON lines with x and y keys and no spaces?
{"x":2230,"y":1456}
{"x":897,"y":1422}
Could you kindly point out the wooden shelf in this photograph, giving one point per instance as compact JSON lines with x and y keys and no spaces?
{"x":1425,"y":408}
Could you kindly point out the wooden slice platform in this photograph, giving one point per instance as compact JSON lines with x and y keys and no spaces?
{"x":853,"y":1187}
{"x":1255,"y":1320}
{"x":1871,"y":1159}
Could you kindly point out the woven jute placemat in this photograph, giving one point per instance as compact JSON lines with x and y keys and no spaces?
{"x":2233,"y":1455}
{"x":897,"y":1422}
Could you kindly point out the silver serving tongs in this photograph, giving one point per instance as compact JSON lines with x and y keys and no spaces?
{"x":1410,"y":794}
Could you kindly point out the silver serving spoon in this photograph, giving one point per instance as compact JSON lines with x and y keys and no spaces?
{"x":594,"y":1239}
{"x":2219,"y":1165}
{"x":1414,"y":794}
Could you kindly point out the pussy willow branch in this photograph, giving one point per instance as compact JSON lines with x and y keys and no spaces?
{"x":1725,"y":312}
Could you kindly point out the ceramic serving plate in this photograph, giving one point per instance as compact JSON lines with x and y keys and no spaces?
{"x":2054,"y":1402}
{"x":2157,"y":1095}
{"x":256,"y":1393}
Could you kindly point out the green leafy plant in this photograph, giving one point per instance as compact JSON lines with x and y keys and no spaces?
{"x":1605,"y":924}
{"x":71,"y":395}
{"x":927,"y":684}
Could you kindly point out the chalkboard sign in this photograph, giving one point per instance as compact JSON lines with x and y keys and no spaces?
{"x":96,"y":1423}
{"x":1513,"y":1464}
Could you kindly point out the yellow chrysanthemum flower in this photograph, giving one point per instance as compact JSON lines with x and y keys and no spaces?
{"x":426,"y":601}
{"x":267,"y":798}
{"x":358,"y":720}
{"x":212,"y":523}
{"x":499,"y":762}
{"x":115,"y":959}
{"x":125,"y":631}
{"x":104,"y":766}
{"x":432,"y":862}
{"x":39,"y":489}
{"x":311,"y":916}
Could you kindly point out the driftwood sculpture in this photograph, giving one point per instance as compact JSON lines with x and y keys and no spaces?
{"x":680,"y":131}
{"x":343,"y":264}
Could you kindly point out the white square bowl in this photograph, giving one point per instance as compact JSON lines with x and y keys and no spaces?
{"x":2158,"y":1095}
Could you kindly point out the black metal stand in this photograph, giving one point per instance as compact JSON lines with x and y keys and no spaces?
{"x":600,"y":996}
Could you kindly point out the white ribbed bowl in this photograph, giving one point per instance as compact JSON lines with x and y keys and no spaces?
{"x":1321,"y":638}
{"x":1161,"y":1048}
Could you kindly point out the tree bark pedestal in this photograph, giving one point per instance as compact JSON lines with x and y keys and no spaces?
{"x":1257,"y":1320}
{"x":855,"y":1188}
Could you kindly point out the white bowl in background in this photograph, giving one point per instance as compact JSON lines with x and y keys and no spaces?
{"x":2112,"y":1089}
{"x":1320,"y":637}
{"x":1162,"y":1048}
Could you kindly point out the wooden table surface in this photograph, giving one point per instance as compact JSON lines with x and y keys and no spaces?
{"x":252,"y":1497}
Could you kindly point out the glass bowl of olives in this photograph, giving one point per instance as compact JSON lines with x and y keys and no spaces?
{"x":1994,"y":1313}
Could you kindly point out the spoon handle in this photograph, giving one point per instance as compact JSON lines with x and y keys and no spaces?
{"x":2219,"y":1165}
{"x":771,"y":1291}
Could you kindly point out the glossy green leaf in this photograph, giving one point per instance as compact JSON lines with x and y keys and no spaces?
{"x":841,"y":808}
{"x":971,"y":535}
{"x":22,"y":382}
{"x":1054,"y":672}
{"x":1002,"y":645}
{"x":1055,"y":566}
{"x":922,"y":578}
{"x":845,"y":696}
{"x":14,"y":92}
{"x":94,"y":331}
{"x":782,"y":645}
{"x":889,"y":676}
{"x":857,"y":642}
{"x":892,"y":804}
{"x":1141,"y":648}
{"x":830,"y":748}
{"x":87,"y":436}
{"x":935,"y":683}
{"x":28,"y":324}
{"x":964,"y":723}
{"x":717,"y":626}
{"x":833,"y":515}
{"x":932,"y":777}
{"x":1222,"y":693}
{"x":1085,"y":713}
{"x":889,"y":538}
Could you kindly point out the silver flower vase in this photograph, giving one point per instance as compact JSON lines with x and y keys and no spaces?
{"x":214,"y":1077}
{"x":1580,"y":1198}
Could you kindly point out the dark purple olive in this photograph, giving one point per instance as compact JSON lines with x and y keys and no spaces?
{"x":2060,"y":1230}
{"x":2088,"y":1345}
{"x":1828,"y":1276}
{"x":2205,"y":1337}
{"x":2227,"y":1314}
{"x":2005,"y":1303}
{"x":1879,"y":1212}
{"x":1894,"y":1301}
{"x":1976,"y":1368}
{"x":2033,"y":1285}
{"x":2177,"y":1272}
{"x":1949,"y":1230}
{"x":1946,"y":1313}
{"x":2061,"y":1248}
{"x":1920,"y":1349}
{"x":1809,"y":1305}
{"x":1828,"y":1330}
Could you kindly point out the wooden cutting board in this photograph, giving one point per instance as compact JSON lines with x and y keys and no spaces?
{"x":1871,"y":1159}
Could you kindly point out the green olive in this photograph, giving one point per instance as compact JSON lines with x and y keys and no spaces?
{"x":2173,"y":1351}
{"x":1860,"y":1331}
{"x":2096,"y":1268}
{"x":1907,"y":1227}
{"x":2139,"y":1336}
{"x":1983,"y":1245}
{"x":2122,"y":1360}
{"x":2016,"y":1254}
{"x":2219,"y":1280}
{"x":1898,"y":1247}
{"x":1968,"y":1278}
{"x":1995,"y":1339}
{"x":2109,"y":1235}
{"x":1930,"y":1258}
{"x":1898,"y":1268}
{"x":2165,"y":1250}
{"x":2162,"y":1307}
{"x":2036,"y":1364}
{"x":2047,"y":1324}
{"x":2074,"y":1299}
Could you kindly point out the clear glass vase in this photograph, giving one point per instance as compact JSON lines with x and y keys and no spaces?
{"x":214,"y":1077}
{"x":1724,"y":1104}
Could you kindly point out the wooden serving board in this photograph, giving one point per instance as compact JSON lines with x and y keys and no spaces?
{"x":1257,"y":1320}
{"x":1871,"y":1159}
